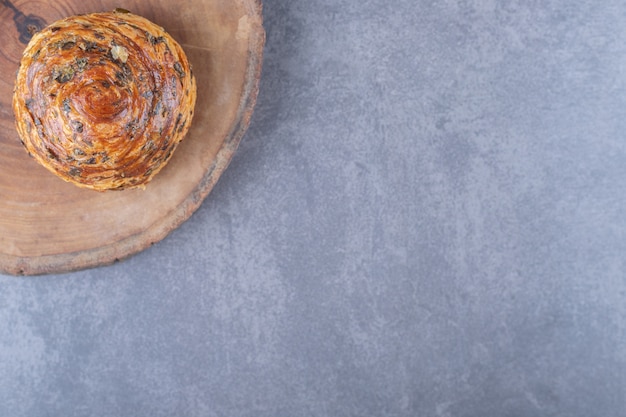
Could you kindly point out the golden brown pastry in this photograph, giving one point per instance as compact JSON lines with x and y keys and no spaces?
{"x":102,"y":100}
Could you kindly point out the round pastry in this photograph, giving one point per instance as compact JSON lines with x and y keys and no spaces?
{"x":102,"y":100}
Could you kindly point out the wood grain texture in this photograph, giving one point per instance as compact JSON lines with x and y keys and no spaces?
{"x":49,"y":226}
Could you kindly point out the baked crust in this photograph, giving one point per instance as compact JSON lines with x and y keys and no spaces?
{"x":102,"y":100}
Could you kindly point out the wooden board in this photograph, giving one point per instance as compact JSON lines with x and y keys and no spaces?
{"x":50,"y":226}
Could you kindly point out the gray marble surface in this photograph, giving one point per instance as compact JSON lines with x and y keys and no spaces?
{"x":427,"y":217}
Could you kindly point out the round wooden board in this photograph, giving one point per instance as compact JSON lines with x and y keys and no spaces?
{"x":50,"y":226}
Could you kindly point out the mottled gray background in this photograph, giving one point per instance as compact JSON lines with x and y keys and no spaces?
{"x":426,"y":218}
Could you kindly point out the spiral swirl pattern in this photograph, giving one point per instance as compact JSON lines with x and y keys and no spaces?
{"x":102,"y":100}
